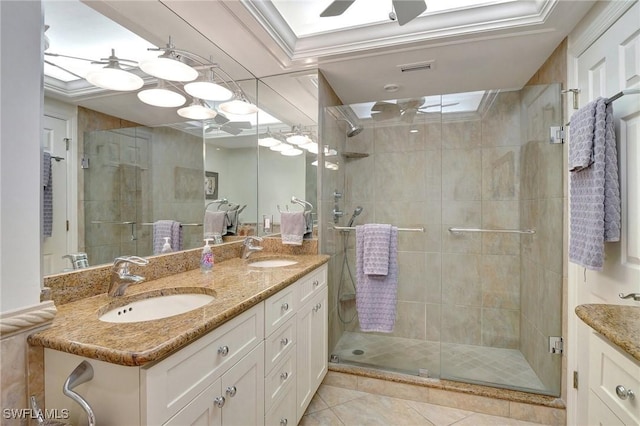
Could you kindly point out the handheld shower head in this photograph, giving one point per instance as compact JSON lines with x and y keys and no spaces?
{"x":356,"y":212}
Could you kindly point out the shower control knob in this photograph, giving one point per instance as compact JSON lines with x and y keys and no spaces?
{"x":219,"y":401}
{"x":223,"y":350}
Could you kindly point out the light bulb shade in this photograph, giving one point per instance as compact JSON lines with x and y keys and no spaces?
{"x":208,"y":90}
{"x":312,"y":147}
{"x":291,"y":152}
{"x":197,"y":112}
{"x":168,"y":69}
{"x":114,"y":79}
{"x":162,"y":97}
{"x":268,"y":142}
{"x":238,"y":107}
{"x":281,"y":147}
{"x":298,"y":139}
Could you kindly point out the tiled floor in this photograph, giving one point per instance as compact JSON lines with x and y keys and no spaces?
{"x":467,"y":363}
{"x":338,"y":406}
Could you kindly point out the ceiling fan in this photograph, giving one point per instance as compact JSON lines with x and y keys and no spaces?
{"x":406,"y":110}
{"x":403,"y":10}
{"x":220,"y":122}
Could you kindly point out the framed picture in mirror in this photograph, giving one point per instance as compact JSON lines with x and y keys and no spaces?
{"x":211,"y":185}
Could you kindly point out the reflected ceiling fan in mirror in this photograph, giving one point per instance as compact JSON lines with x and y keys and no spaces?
{"x":406,"y":110}
{"x":403,"y":11}
{"x":220,"y":122}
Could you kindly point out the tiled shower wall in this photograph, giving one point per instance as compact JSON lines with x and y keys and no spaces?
{"x":140,"y":175}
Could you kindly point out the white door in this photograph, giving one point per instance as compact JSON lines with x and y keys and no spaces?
{"x":609,"y":65}
{"x":55,"y":136}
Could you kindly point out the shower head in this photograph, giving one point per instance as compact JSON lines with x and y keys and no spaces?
{"x":353,"y":129}
{"x":356,"y":212}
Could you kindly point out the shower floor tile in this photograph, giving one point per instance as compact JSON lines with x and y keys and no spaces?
{"x":465,"y":363}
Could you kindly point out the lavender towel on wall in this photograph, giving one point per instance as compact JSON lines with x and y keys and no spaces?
{"x":47,"y":195}
{"x":292,"y":227}
{"x":163,"y":229}
{"x":215,"y":222}
{"x":594,"y":187}
{"x":376,"y":295}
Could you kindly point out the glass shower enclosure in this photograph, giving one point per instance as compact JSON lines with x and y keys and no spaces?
{"x":475,"y":183}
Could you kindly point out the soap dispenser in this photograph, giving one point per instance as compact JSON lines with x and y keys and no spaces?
{"x":206,"y":260}
{"x":166,"y":247}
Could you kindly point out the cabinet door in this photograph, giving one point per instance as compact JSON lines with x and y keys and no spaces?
{"x":202,"y":411}
{"x":311,"y":349}
{"x":243,"y":390}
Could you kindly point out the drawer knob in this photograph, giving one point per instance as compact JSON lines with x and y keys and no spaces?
{"x":284,"y":376}
{"x":219,"y":401}
{"x":284,"y":341}
{"x":315,"y":283}
{"x":223,"y":350}
{"x":317,"y":307}
{"x":284,"y":422}
{"x":285,"y":306}
{"x":231,"y":391}
{"x":624,"y":393}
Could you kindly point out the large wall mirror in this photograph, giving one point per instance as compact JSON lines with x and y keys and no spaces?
{"x":133,"y":165}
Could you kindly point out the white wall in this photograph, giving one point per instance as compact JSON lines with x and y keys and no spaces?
{"x":21,"y":83}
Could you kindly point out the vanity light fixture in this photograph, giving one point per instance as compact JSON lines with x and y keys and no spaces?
{"x":291,"y":152}
{"x":239,"y":106}
{"x":169,"y":66}
{"x":312,"y":147}
{"x":161,"y":96}
{"x":268,"y":140}
{"x":281,"y":147}
{"x":206,"y":88}
{"x":197,"y":111}
{"x":297,"y":137}
{"x":112,"y":76}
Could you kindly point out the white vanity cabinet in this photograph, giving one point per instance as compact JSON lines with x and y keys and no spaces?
{"x":312,"y":331}
{"x":614,"y":385}
{"x":262,"y":366}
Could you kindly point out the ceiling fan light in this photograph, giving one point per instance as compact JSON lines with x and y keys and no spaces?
{"x":209,"y":90}
{"x":238,"y":107}
{"x":161,"y":97}
{"x":196,"y":111}
{"x":291,"y":152}
{"x":312,"y":147}
{"x":114,"y":78}
{"x":168,"y":68}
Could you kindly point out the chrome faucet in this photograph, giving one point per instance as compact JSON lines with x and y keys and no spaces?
{"x":248,"y":247}
{"x":121,"y":278}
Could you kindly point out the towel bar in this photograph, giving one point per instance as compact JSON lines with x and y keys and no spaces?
{"x":351,"y":228}
{"x":502,"y":231}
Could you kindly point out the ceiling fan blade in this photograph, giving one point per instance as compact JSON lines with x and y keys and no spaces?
{"x":230,"y":129}
{"x":220,"y":119}
{"x":386,"y":107}
{"x":337,"y":7}
{"x":408,"y":10}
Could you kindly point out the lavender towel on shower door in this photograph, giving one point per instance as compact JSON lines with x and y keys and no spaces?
{"x":594,"y":187}
{"x":376,"y":295}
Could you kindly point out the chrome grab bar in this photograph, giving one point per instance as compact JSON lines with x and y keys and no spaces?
{"x":501,"y":231}
{"x":352,"y":228}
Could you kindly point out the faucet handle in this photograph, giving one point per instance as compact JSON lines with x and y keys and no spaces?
{"x":252,"y":238}
{"x":123,"y":262}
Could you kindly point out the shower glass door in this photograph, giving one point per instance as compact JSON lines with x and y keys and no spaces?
{"x":475,"y":305}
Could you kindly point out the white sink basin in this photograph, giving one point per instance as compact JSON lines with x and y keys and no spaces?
{"x":156,"y":307}
{"x":272,"y":263}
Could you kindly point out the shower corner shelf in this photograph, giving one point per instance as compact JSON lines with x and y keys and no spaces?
{"x":350,"y":155}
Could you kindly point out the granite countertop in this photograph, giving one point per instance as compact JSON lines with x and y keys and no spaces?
{"x":618,"y":323}
{"x":236,"y":285}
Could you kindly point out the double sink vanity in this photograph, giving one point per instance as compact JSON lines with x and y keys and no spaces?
{"x":245,"y":344}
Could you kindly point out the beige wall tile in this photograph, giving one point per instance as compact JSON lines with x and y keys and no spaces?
{"x":479,"y":404}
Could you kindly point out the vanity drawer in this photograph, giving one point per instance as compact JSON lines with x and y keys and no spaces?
{"x":170,"y":384}
{"x":283,"y":412}
{"x":279,"y":344}
{"x":279,"y":380}
{"x":310,"y":285}
{"x":279,"y":308}
{"x":612,"y":374}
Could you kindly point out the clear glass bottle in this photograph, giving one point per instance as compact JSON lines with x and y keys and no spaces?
{"x":206,"y":259}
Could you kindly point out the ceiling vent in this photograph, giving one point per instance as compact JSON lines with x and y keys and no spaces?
{"x":418,"y":66}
